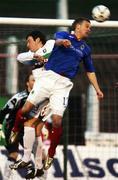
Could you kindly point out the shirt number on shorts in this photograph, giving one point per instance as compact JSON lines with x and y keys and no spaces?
{"x":65,"y":101}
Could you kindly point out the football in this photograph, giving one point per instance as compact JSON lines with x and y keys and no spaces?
{"x":100,"y":13}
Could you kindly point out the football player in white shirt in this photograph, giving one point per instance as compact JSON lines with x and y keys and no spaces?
{"x":37,"y":47}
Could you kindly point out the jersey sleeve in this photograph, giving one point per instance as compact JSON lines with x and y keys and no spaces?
{"x":61,"y":35}
{"x":88,"y":62}
{"x":26,"y":58}
{"x":8,"y":107}
{"x":46,"y":50}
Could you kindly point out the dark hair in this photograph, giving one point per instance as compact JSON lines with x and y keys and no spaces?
{"x":78,"y":21}
{"x":37,"y":34}
{"x":28,"y":76}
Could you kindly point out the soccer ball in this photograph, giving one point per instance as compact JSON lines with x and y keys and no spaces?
{"x":100,"y":13}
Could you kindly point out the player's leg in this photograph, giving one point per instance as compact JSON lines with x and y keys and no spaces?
{"x":28,"y":141}
{"x":21,"y":114}
{"x":37,"y":171}
{"x":36,"y":96}
{"x":44,"y":113}
{"x":19,"y":123}
{"x":29,"y":134}
{"x":12,"y":151}
{"x":58,"y":103}
{"x":55,"y":136}
{"x":29,"y":138}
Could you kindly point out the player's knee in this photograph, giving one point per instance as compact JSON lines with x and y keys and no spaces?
{"x":56,"y":121}
{"x":13,"y":155}
{"x":31,"y":122}
{"x":27,"y":108}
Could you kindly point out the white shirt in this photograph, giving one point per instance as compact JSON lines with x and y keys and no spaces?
{"x":28,"y":57}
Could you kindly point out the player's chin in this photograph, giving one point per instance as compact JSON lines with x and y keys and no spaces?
{"x":86,"y":34}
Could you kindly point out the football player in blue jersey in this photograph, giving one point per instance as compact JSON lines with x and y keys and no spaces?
{"x":55,"y":78}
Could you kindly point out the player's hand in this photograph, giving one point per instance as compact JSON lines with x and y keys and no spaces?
{"x":100,"y":94}
{"x":66,"y":43}
{"x":39,"y":58}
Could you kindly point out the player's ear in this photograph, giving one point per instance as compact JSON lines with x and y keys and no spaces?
{"x":38,"y":40}
{"x":77,"y":29}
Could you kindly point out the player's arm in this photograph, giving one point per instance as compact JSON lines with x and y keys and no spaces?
{"x":2,"y":115}
{"x":88,"y":64}
{"x":27,"y":58}
{"x":93,"y":80}
{"x":63,"y":42}
{"x":61,"y":39}
{"x":41,"y":55}
{"x":6,"y":110}
{"x":8,"y":107}
{"x":44,"y":53}
{"x":3,"y":112}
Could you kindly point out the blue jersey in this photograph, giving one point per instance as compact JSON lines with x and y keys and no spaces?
{"x":65,"y":61}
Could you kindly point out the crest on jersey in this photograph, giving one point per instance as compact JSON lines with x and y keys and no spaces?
{"x":32,"y":92}
{"x":44,"y":50}
{"x":82,"y":46}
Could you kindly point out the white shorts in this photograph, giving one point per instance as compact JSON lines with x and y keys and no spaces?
{"x":44,"y":111}
{"x":52,"y":86}
{"x":41,"y":111}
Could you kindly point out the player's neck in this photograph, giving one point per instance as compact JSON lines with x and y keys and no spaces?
{"x":79,"y":38}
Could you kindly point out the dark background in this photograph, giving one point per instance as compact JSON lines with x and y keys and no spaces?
{"x":47,"y":8}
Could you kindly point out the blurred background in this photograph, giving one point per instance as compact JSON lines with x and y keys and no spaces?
{"x":48,"y":8}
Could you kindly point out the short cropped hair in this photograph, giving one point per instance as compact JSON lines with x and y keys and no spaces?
{"x":78,"y":21}
{"x":37,"y":34}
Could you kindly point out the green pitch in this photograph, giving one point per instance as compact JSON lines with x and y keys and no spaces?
{"x":3,"y":100}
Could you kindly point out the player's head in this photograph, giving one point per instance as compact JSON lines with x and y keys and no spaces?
{"x":35,"y":40}
{"x":29,"y":82}
{"x":81,"y":27}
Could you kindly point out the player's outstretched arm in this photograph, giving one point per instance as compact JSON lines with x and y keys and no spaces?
{"x":25,"y":57}
{"x":63,"y":42}
{"x":92,"y":78}
{"x":28,"y":58}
